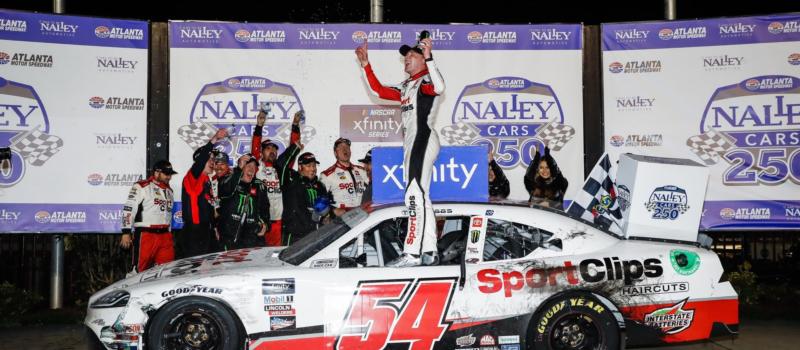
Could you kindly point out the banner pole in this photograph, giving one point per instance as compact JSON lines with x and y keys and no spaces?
{"x":376,"y":11}
{"x":57,"y":246}
{"x":670,"y":9}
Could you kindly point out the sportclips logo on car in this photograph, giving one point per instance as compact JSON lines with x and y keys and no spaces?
{"x":513,"y":116}
{"x":233,"y":104}
{"x":589,"y":271}
{"x":753,"y":126}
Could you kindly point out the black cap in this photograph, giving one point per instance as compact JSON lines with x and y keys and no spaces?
{"x":405,"y":49}
{"x":165,"y":167}
{"x":306,"y":158}
{"x":221,"y":157}
{"x":266,"y":143}
{"x":367,"y":158}
{"x":341,"y":140}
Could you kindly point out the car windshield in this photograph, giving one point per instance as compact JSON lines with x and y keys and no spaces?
{"x":315,"y":241}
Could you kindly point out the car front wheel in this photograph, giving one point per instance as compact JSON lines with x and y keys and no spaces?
{"x":574,"y":322}
{"x":194,"y":323}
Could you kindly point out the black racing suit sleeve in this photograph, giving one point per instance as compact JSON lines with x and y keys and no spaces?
{"x":500,"y":186}
{"x":283,"y":163}
{"x":227,"y":184}
{"x":201,"y":158}
{"x":262,"y":203}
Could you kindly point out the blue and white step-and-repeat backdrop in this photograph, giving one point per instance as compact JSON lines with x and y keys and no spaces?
{"x":723,"y":92}
{"x":73,"y":110}
{"x":508,"y":87}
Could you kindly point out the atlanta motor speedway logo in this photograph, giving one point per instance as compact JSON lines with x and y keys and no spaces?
{"x":754,"y":126}
{"x":513,"y":116}
{"x":25,"y":128}
{"x":233,"y":104}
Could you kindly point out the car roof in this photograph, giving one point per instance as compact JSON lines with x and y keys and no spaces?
{"x":503,"y":202}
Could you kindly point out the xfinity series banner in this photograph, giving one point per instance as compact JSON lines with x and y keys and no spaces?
{"x":459,"y":174}
{"x":72,"y":110}
{"x":723,"y":92}
{"x":512,"y":88}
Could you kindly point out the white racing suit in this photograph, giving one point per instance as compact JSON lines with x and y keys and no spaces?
{"x":420,"y":149}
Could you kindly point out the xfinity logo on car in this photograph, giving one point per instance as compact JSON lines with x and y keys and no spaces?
{"x":454,"y":175}
{"x":277,"y":286}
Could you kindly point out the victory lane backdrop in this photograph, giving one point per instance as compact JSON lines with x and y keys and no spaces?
{"x":510,"y":88}
{"x":73,"y":110}
{"x":722,"y":92}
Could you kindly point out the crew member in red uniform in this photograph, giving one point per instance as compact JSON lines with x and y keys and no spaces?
{"x":147,"y":215}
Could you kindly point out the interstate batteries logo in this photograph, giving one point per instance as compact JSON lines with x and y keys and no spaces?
{"x":667,"y":202}
{"x":20,"y":59}
{"x":754,"y":126}
{"x":370,"y":123}
{"x":260,"y":36}
{"x":513,"y":116}
{"x":671,"y":320}
{"x":13,"y":25}
{"x":233,"y":104}
{"x":635,"y":67}
{"x":378,"y":36}
{"x":25,"y":129}
{"x":492,"y":37}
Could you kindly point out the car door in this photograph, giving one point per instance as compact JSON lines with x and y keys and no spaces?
{"x":371,"y":306}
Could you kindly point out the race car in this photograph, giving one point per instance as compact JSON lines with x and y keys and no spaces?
{"x":510,"y":277}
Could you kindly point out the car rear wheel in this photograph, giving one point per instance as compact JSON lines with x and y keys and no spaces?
{"x":194,"y":323}
{"x":574,"y":322}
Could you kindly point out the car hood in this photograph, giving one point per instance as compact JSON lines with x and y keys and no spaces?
{"x":232,"y":261}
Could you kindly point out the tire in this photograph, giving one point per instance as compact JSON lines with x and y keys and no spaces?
{"x":194,"y":323}
{"x":574,"y":321}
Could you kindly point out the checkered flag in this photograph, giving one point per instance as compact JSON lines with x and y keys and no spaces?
{"x":460,"y":134}
{"x":555,"y":135}
{"x":307,"y":133}
{"x":196,"y":134}
{"x":35,"y":146}
{"x":597,"y":200}
{"x":710,"y":146}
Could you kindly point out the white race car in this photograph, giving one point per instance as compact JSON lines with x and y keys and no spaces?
{"x":511,"y":277}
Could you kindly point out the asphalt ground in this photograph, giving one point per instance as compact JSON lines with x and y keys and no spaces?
{"x":754,"y":334}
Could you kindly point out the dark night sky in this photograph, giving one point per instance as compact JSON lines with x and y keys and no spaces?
{"x":397,"y":11}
